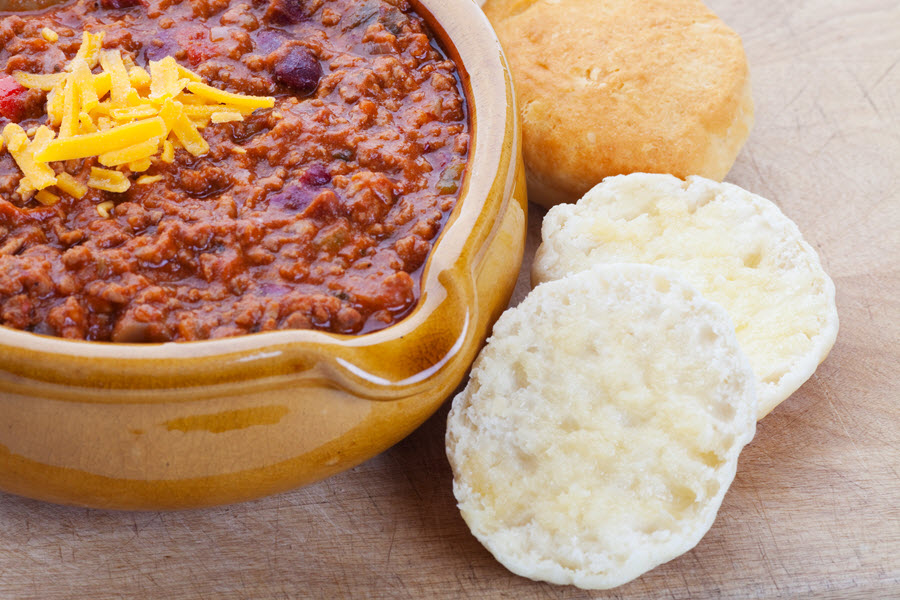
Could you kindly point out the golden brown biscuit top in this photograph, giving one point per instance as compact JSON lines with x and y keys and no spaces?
{"x":619,"y":86}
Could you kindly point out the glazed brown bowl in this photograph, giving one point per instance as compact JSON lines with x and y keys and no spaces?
{"x":180,"y":425}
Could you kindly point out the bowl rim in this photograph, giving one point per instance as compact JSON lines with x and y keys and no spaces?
{"x":467,"y":37}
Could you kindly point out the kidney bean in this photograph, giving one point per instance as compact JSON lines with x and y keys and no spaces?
{"x":316,"y":175}
{"x":118,"y":4}
{"x":286,"y":12}
{"x":299,"y":69}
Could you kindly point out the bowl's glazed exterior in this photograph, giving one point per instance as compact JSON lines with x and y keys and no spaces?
{"x":193,"y":424}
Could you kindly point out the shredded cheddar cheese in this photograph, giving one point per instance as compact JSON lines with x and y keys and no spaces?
{"x":186,"y":74}
{"x":103,"y":105}
{"x":70,"y":185}
{"x":109,"y":180}
{"x":42,"y":138}
{"x":38,"y":175}
{"x":185,"y":131}
{"x":46,"y":198}
{"x":119,"y":81}
{"x":55,"y":101}
{"x":38,"y":82}
{"x":226,"y":117}
{"x":95,"y":144}
{"x":89,"y":51}
{"x":140,"y":111}
{"x":69,"y":125}
{"x":84,"y":83}
{"x":223,"y":97}
{"x":102,"y":85}
{"x":140,"y":165}
{"x":139,"y":77}
{"x":16,"y":139}
{"x":164,"y":81}
{"x":200,"y":111}
{"x":168,"y":153}
{"x":132,"y":153}
{"x":148,"y":179}
{"x":85,"y":124}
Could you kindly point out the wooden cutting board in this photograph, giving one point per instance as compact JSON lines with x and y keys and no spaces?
{"x":815,"y":508}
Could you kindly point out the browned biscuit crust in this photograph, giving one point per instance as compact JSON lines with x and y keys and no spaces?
{"x":623,"y":86}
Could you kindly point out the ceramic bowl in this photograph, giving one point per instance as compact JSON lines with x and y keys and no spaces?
{"x":167,"y":426}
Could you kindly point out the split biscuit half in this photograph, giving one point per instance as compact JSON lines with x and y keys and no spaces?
{"x":601,"y":426}
{"x":737,"y":248}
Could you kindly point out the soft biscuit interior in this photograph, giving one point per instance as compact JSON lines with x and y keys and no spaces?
{"x":737,"y":248}
{"x":601,"y":426}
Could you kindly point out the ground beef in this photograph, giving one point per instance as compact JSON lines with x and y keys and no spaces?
{"x":318,"y":213}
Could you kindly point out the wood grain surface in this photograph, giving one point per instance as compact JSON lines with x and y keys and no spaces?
{"x":815,"y":508}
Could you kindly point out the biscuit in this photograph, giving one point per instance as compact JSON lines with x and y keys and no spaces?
{"x":622,"y":86}
{"x":601,"y":426}
{"x":737,"y":248}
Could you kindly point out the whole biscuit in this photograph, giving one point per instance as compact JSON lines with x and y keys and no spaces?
{"x":622,"y":86}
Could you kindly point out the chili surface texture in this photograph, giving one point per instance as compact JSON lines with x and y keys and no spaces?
{"x":317,"y":213}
